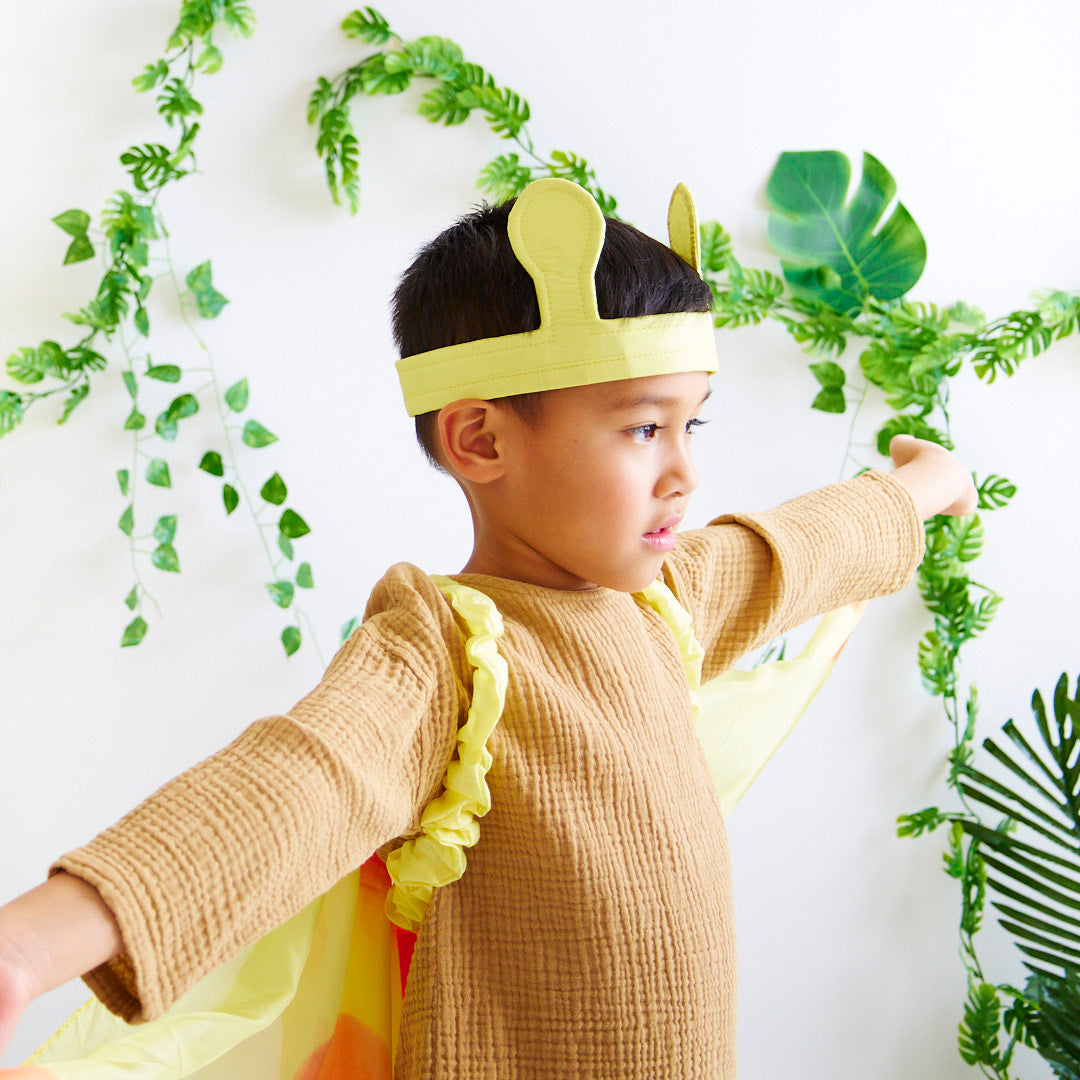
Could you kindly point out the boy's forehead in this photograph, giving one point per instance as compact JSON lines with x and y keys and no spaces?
{"x":685,"y":389}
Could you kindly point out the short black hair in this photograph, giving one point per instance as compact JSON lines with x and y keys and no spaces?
{"x":467,"y":284}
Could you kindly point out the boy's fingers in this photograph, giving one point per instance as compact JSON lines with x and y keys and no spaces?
{"x":902,"y":448}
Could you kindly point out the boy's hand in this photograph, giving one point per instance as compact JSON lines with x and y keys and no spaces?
{"x":936,"y":480}
{"x":51,"y":934}
{"x":15,"y":995}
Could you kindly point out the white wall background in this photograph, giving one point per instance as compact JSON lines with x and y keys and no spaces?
{"x":847,"y":934}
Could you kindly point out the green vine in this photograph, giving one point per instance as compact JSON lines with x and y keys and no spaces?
{"x":846,"y":273}
{"x":133,"y":242}
{"x":460,"y":89}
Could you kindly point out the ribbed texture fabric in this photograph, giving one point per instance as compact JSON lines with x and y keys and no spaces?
{"x":592,"y":933}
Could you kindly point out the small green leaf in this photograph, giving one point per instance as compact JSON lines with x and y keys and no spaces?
{"x":293,"y":525}
{"x":132,"y":598}
{"x":135,"y":420}
{"x":995,"y":492}
{"x":150,"y":76}
{"x":230,"y":498}
{"x":828,"y":374}
{"x":129,"y":382}
{"x":164,"y":557}
{"x":73,"y":222}
{"x":978,"y":1033}
{"x":79,"y":358}
{"x":285,"y":544}
{"x":921,"y":822}
{"x":281,"y":592}
{"x":368,"y":25}
{"x":165,"y":529}
{"x":183,"y":406}
{"x":349,"y":628}
{"x":157,"y":473}
{"x":150,"y":165}
{"x":715,"y":247}
{"x":11,"y":411}
{"x":208,"y":300}
{"x":141,"y":319}
{"x":304,"y":578}
{"x":967,"y":315}
{"x":236,"y":397}
{"x":134,"y":632}
{"x":74,"y":400}
{"x":164,"y":372}
{"x":274,"y":490}
{"x":26,"y":366}
{"x":290,"y":638}
{"x":239,"y":17}
{"x":255,"y":435}
{"x":127,"y":521}
{"x":830,"y":400}
{"x":123,"y":477}
{"x":211,"y":463}
{"x":79,"y":250}
{"x":209,"y":60}
{"x":166,"y":427}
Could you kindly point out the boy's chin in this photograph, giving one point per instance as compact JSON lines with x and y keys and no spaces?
{"x":632,"y":581}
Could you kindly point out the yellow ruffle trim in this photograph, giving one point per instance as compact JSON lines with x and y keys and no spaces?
{"x":664,"y":602}
{"x":449,"y":823}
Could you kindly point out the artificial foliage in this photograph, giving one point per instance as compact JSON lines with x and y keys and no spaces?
{"x":846,"y":271}
{"x":132,"y":242}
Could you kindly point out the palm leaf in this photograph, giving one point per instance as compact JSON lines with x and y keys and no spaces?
{"x":1058,"y":1025}
{"x":1033,"y":863}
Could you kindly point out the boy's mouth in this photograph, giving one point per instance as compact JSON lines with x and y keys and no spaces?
{"x":663,"y":538}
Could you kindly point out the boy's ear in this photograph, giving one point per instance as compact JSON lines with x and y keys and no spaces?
{"x":467,"y":439}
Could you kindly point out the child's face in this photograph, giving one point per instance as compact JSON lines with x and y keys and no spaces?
{"x":593,"y":493}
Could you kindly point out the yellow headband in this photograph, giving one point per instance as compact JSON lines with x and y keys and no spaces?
{"x":557,"y":231}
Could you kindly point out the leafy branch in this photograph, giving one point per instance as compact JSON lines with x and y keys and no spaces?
{"x":133,"y":243}
{"x":460,"y":88}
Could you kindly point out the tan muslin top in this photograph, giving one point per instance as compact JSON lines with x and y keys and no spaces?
{"x":592,"y":934}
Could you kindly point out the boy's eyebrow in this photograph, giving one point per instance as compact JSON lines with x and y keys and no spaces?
{"x":658,"y":400}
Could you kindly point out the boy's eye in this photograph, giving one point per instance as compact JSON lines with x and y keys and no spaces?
{"x":644,"y":432}
{"x":695,"y":423}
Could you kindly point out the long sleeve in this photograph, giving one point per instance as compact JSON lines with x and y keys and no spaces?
{"x":234,"y":846}
{"x":747,"y":577}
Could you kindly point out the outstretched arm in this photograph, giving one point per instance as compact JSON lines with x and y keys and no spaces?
{"x":936,"y":481}
{"x":748,"y":577}
{"x":53,"y":933}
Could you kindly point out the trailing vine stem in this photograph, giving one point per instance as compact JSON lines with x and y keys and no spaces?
{"x":131,"y":227}
{"x":254,"y":509}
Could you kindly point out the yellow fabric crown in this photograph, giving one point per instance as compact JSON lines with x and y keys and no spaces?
{"x":557,"y":231}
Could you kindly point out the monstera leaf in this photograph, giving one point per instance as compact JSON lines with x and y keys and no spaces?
{"x":836,"y":251}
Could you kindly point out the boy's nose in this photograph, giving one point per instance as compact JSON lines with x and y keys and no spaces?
{"x":680,"y":477}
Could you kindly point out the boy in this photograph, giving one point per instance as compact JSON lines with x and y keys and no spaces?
{"x":592,"y":933}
